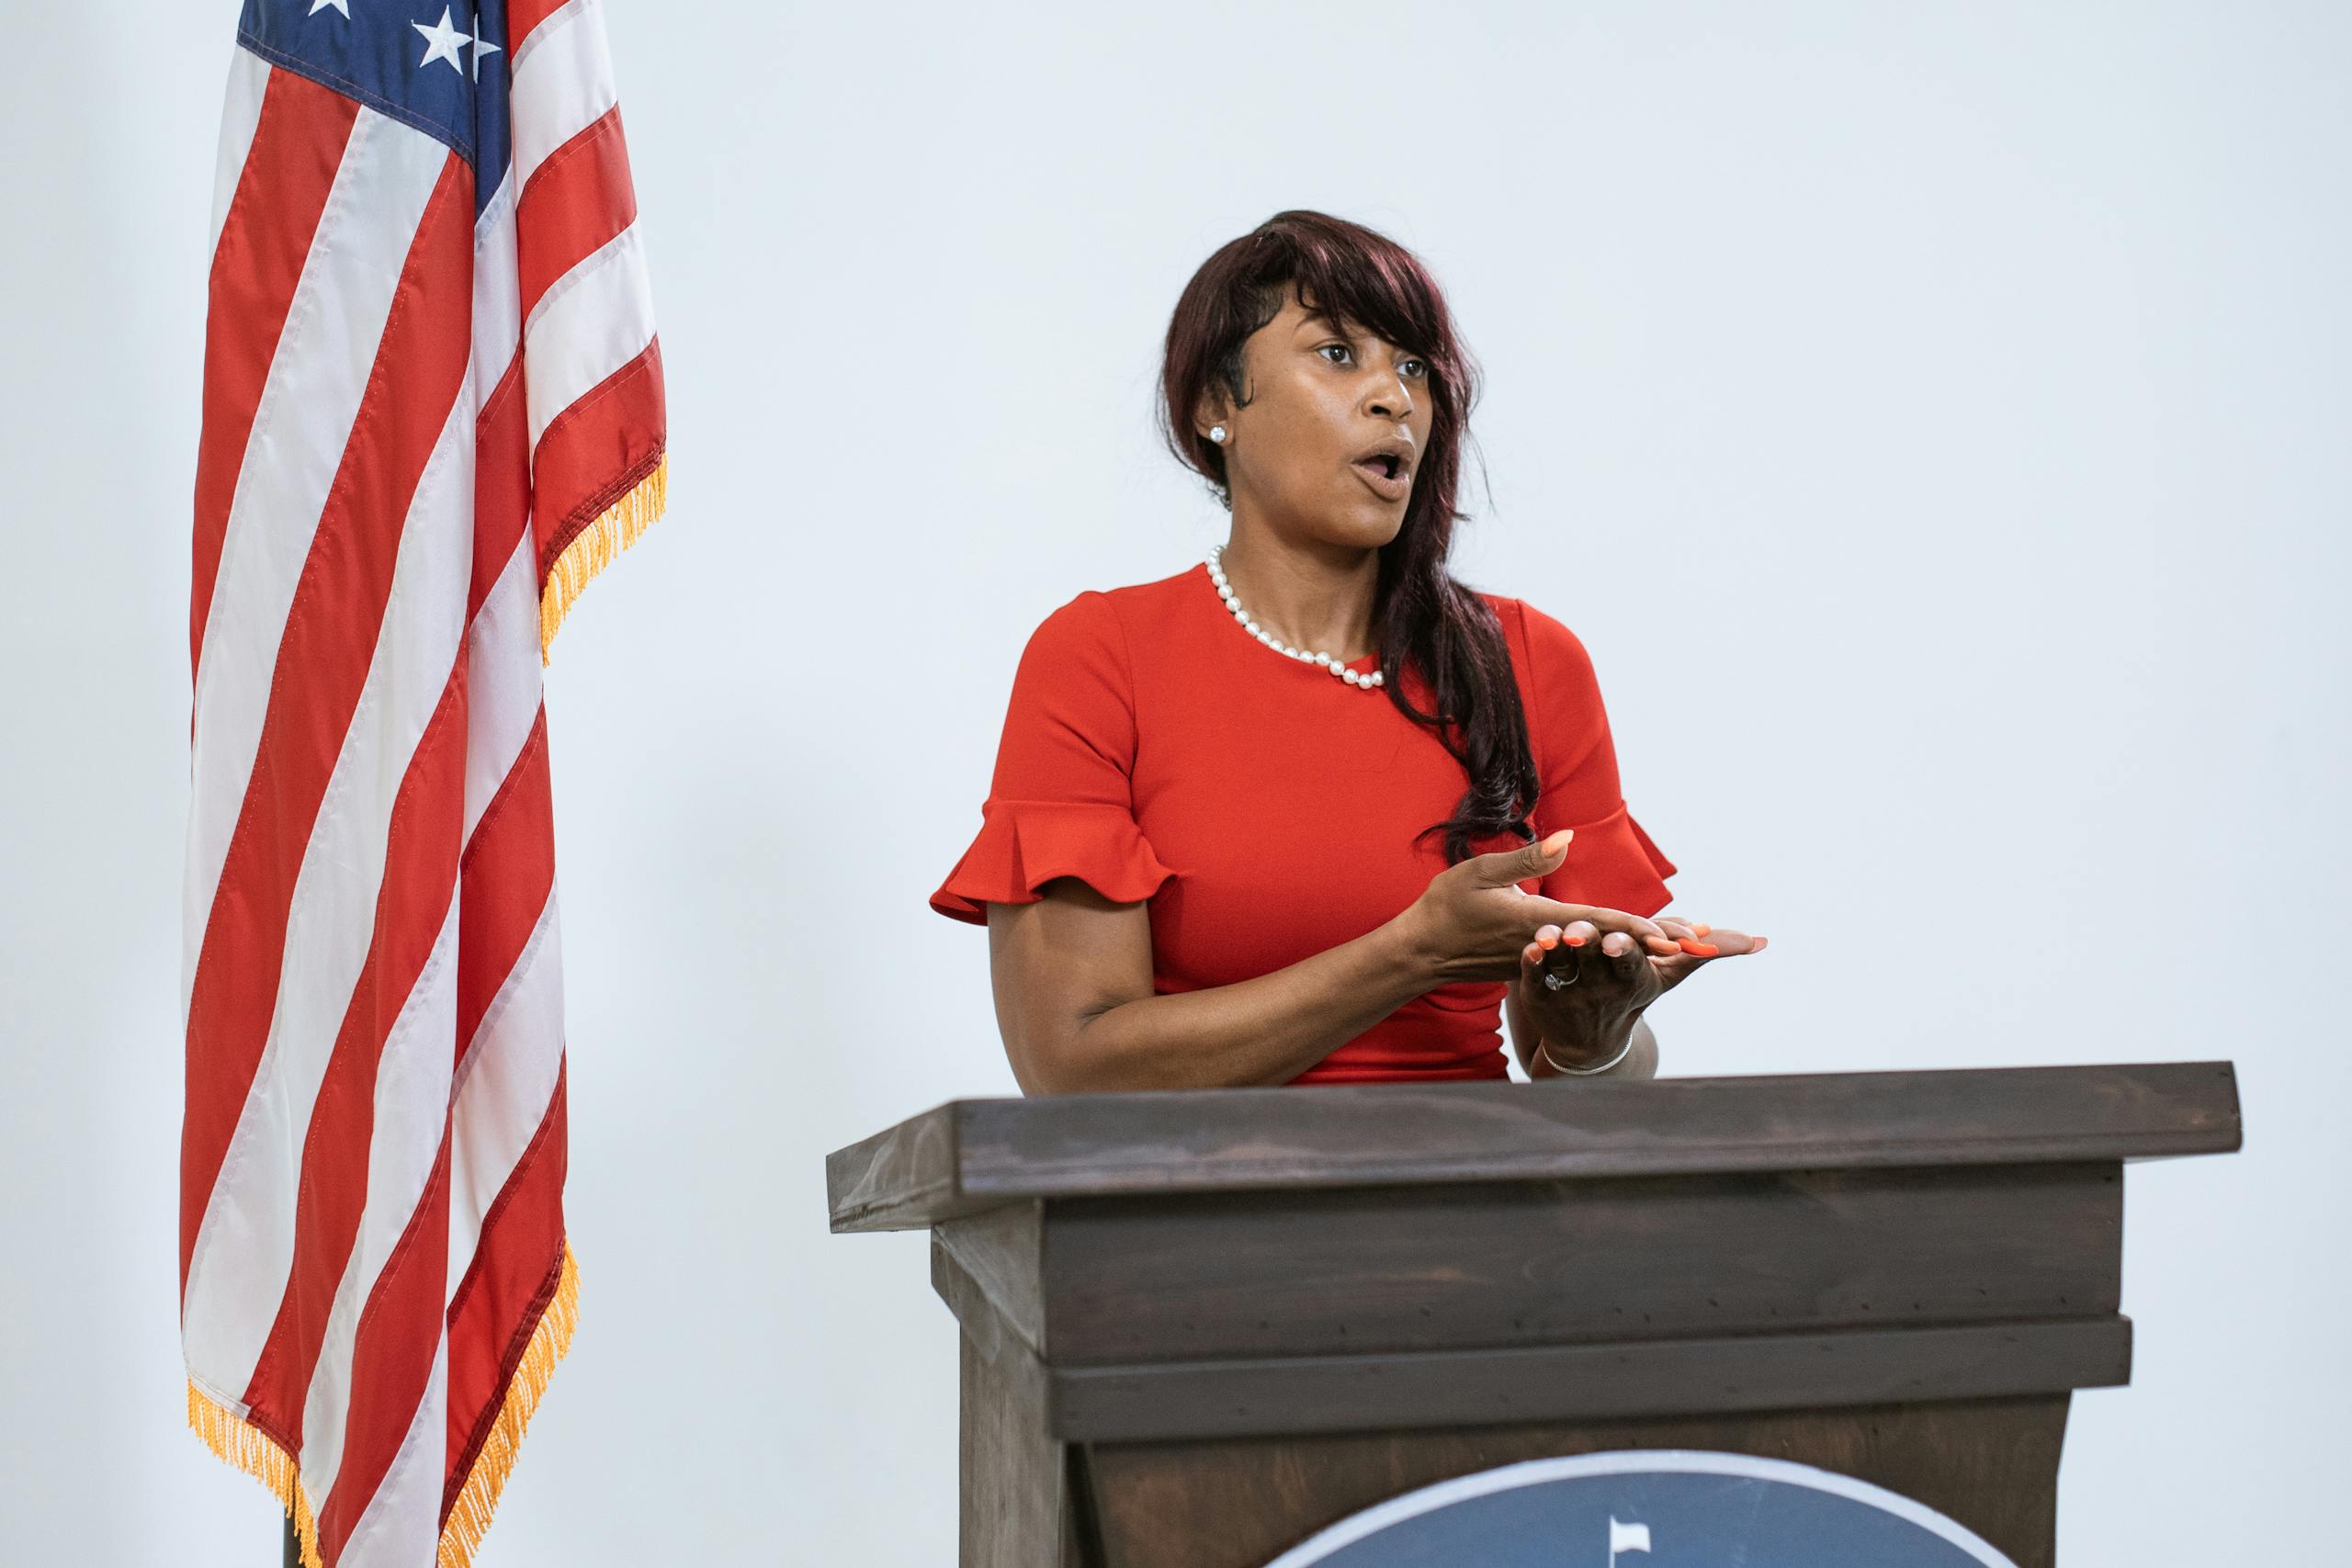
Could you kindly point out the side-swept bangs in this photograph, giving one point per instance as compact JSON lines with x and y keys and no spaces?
{"x":1427,"y":621}
{"x":1364,"y":282}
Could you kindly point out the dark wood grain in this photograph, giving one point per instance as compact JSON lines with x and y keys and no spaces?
{"x":1431,"y":1373}
{"x":1668,"y":1377}
{"x":1198,"y":1327}
{"x":999,"y":1255}
{"x":1353,"y":1272}
{"x":1990,"y":1464}
{"x":1015,"y":1508}
{"x":971,"y":1155}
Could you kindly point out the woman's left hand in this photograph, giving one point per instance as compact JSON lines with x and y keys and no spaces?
{"x":1605,"y":979}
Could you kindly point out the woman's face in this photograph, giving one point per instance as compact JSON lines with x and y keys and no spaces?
{"x":1330,"y":443}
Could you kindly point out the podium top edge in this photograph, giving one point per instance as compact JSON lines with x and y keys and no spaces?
{"x":966,"y":1156}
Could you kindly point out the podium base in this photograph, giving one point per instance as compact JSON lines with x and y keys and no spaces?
{"x":1990,"y":1464}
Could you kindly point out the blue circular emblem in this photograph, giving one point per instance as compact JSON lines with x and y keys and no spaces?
{"x":1664,"y":1508}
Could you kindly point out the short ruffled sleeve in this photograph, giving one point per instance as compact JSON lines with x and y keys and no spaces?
{"x":1061,"y":801}
{"x":1611,"y":862}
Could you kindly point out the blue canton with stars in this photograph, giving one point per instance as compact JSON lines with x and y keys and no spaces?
{"x":439,"y":66}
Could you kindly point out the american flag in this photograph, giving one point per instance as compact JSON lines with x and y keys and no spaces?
{"x":433,"y":409}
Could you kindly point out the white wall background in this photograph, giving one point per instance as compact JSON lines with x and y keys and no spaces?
{"x":1933,"y":418}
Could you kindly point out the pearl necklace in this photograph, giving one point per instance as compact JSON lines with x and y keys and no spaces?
{"x":1373,"y":681}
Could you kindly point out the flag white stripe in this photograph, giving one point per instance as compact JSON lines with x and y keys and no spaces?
{"x":244,"y":1247}
{"x":301,"y":427}
{"x":590,"y":322}
{"x":563,"y":84}
{"x":493,"y":1101}
{"x":240,"y":114}
{"x":502,"y":688}
{"x":412,"y":1101}
{"x":503,"y":1086}
{"x":498,"y":291}
{"x":401,"y":1525}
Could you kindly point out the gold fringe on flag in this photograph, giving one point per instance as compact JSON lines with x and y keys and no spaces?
{"x":239,"y":1443}
{"x":246,"y":1446}
{"x":596,"y":547}
{"x":469,"y":1520}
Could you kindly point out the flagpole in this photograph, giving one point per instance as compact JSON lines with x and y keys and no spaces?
{"x":293,"y":1555}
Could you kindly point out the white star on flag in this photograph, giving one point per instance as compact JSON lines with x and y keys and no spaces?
{"x":355,"y":260}
{"x":442,"y":41}
{"x":481,"y":46}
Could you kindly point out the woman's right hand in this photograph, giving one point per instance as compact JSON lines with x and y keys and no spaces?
{"x":1473,"y":921}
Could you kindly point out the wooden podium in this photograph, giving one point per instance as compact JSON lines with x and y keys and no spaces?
{"x":1200,"y":1327}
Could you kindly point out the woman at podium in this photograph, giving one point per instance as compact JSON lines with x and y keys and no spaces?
{"x":1312,"y":810}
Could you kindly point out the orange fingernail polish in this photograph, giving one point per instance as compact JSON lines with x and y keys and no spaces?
{"x":1701,"y":927}
{"x":1698,"y":948}
{"x":1573,"y":940}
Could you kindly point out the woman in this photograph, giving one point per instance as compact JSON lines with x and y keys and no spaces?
{"x":1313,"y":812}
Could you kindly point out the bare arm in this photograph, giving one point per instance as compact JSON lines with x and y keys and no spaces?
{"x":1582,"y":992}
{"x":1641,"y":1062}
{"x":1072,"y":974}
{"x":1072,"y":977}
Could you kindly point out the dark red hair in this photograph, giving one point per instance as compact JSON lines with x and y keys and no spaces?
{"x":1427,"y":620}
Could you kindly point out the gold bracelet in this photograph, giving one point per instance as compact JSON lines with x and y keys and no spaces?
{"x":1544,"y":1049}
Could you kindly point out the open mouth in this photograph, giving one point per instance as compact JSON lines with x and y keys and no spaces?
{"x":1385,"y":474}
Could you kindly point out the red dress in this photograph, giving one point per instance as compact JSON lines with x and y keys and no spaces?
{"x":1267,"y":810}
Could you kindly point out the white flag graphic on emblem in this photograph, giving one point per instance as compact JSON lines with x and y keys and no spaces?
{"x":1627,"y":1537}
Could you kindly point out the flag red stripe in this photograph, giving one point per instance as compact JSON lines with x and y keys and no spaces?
{"x":391,"y":1362}
{"x":289,"y":171}
{"x":577,"y":200}
{"x":508,"y":876}
{"x":420,"y":878}
{"x":523,"y":15}
{"x":306,"y":791}
{"x":593,"y":452}
{"x":323,"y":660}
{"x":502,"y":481}
{"x":506,"y":1289}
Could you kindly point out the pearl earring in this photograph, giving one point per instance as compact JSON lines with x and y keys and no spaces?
{"x":1216,"y":433}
